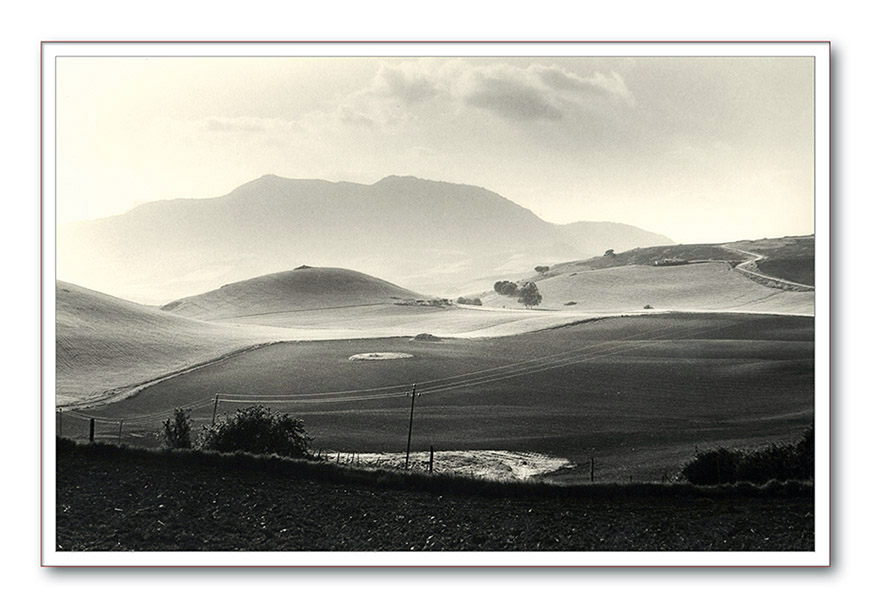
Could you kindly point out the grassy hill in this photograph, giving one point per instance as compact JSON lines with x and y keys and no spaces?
{"x":105,"y":344}
{"x":682,"y":277}
{"x":692,"y":287}
{"x":304,"y":288}
{"x":788,"y":258}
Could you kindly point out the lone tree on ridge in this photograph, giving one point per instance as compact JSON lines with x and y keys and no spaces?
{"x":529,"y":295}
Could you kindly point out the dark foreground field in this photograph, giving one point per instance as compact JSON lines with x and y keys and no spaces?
{"x":639,"y":394}
{"x":111,"y":499}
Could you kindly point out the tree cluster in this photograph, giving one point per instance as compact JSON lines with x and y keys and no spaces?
{"x":469,"y":301}
{"x":506,"y":288}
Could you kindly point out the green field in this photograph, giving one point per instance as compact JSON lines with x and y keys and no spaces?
{"x":639,"y":394}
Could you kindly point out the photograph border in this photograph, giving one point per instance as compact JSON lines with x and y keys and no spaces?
{"x":819,"y":50}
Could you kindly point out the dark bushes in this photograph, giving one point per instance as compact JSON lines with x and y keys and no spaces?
{"x":776,"y":462}
{"x":176,"y":430}
{"x":257,"y":430}
{"x":469,"y":301}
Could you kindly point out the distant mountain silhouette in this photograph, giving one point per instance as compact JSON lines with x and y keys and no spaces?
{"x":426,"y":235}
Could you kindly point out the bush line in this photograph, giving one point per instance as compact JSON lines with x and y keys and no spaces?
{"x":414,"y":480}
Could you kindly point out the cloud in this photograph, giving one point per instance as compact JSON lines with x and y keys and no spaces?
{"x":597,"y":85}
{"x":402,"y":92}
{"x":510,"y":98}
{"x":405,"y":83}
{"x":540,"y":92}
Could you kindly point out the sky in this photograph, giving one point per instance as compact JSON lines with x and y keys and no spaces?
{"x":700,"y":149}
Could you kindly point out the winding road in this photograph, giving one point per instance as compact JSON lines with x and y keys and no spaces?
{"x":744,"y":267}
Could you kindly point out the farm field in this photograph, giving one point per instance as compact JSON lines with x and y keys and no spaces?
{"x":639,"y":394}
{"x":107,"y":347}
{"x":121,"y":500}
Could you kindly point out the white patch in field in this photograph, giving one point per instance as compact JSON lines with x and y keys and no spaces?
{"x":381,"y":355}
{"x":490,"y":464}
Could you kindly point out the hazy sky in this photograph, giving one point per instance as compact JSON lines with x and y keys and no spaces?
{"x":699,"y":149}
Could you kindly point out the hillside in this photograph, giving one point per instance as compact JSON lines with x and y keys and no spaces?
{"x":788,"y":258}
{"x":427,"y":235}
{"x":305,"y":288}
{"x":694,"y":287}
{"x":105,"y":344}
{"x":691,"y":277}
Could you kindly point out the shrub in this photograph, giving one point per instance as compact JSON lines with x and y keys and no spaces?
{"x":776,"y":462}
{"x":469,"y":301}
{"x":257,"y":430}
{"x":714,"y":467}
{"x":542,"y":269}
{"x":647,"y":306}
{"x":176,"y":430}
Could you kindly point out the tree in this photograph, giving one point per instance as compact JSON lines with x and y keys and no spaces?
{"x":542,"y":269}
{"x":529,"y":295}
{"x":176,"y":430}
{"x":506,"y":288}
{"x":608,"y":252}
{"x":258,"y":430}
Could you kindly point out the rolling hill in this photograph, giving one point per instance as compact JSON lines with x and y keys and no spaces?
{"x":695,"y":277}
{"x":105,"y":345}
{"x":430,"y":236}
{"x":693,"y":287}
{"x":304,"y":288}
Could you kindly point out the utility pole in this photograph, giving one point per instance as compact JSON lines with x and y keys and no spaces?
{"x":410,"y":425}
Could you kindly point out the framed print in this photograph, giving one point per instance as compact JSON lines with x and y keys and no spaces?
{"x":436,"y":304}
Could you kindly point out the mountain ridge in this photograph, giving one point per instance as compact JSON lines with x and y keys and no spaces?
{"x":426,"y":235}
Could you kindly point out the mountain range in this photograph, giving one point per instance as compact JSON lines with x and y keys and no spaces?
{"x":430,"y":236}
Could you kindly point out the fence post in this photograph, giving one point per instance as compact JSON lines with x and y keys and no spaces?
{"x":120,"y":428}
{"x":91,"y":435}
{"x":59,"y":424}
{"x":431,"y":457}
{"x":592,"y":469}
{"x":214,"y":412}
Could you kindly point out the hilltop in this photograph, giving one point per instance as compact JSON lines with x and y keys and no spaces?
{"x":426,"y":235}
{"x":304,"y":288}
